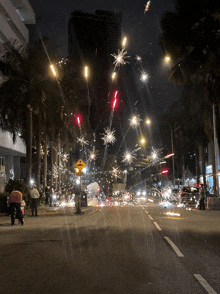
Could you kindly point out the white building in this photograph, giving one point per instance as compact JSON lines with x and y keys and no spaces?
{"x":14,"y":16}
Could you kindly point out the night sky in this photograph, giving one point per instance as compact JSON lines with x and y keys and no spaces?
{"x":142,"y":31}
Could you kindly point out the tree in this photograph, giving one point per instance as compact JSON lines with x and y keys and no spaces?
{"x":191,"y":38}
{"x":27,"y":78}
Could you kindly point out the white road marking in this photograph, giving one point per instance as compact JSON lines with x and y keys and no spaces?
{"x":150,"y":217}
{"x":157,"y":226}
{"x":205,"y":284}
{"x":175,"y":248}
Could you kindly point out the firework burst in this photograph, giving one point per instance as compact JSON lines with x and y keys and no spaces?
{"x":128,"y":157}
{"x":155,"y":155}
{"x":82,"y":141}
{"x":120,"y":58}
{"x":109,"y":136}
{"x":144,"y":76}
{"x":92,"y":155}
{"x":138,"y":58}
{"x":135,"y":121}
{"x":116,"y":172}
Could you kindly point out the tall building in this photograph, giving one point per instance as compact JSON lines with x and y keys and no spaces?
{"x":92,"y":38}
{"x":14,"y":16}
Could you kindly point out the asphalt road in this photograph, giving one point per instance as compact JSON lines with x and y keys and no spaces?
{"x":131,"y":249}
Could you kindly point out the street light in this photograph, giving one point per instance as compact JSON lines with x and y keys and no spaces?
{"x":142,"y":141}
{"x":167,"y":58}
{"x":148,"y":122}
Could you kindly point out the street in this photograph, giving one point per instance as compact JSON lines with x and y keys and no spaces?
{"x":129,"y":249}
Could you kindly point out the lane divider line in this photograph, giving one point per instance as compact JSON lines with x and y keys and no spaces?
{"x":205,"y":284}
{"x":157,"y":226}
{"x":150,"y":217}
{"x":175,"y":248}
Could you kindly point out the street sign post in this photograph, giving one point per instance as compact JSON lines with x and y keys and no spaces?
{"x":80,"y":164}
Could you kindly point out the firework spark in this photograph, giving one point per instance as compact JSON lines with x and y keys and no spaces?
{"x":109,"y":136}
{"x":147,"y":6}
{"x":113,"y":75}
{"x":144,"y":76}
{"x":65,"y":157}
{"x":124,"y":41}
{"x":138,"y":58}
{"x":92,"y":155}
{"x":120,"y":58}
{"x":116,"y":172}
{"x":55,"y":171}
{"x":128,"y":157}
{"x":82,"y":141}
{"x":135,"y":121}
{"x":155,"y":155}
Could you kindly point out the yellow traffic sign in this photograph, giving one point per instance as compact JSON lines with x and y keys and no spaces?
{"x":80,"y":164}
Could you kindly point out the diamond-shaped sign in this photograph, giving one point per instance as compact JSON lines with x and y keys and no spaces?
{"x":80,"y":164}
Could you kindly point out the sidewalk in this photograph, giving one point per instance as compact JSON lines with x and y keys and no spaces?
{"x":44,"y":210}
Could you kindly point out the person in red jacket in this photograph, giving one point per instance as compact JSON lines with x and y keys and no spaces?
{"x":15,"y":203}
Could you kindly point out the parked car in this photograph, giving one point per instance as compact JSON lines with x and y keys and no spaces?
{"x":190,"y":196}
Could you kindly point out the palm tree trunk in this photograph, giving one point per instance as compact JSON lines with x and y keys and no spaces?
{"x":38,"y":151}
{"x":29,"y":146}
{"x":213,"y":167}
{"x":197,"y":167}
{"x":203,"y":167}
{"x":45,"y":161}
{"x":52,"y":161}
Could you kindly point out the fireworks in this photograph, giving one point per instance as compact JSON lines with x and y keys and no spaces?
{"x":82,"y":141}
{"x":120,"y":58}
{"x":55,"y":171}
{"x":128,"y":157}
{"x":155,"y":155}
{"x":86,"y":72}
{"x":147,"y":6}
{"x":109,"y":136}
{"x":65,"y":157}
{"x":138,"y":58}
{"x":144,"y":76}
{"x":124,"y":42}
{"x":135,"y":121}
{"x":116,"y":172}
{"x":92,"y":155}
{"x":115,"y":100}
{"x":113,"y":75}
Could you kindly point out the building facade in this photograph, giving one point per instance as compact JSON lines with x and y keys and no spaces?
{"x":14,"y":16}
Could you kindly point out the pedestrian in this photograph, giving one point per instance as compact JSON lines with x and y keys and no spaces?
{"x":15,"y":203}
{"x":23,"y":204}
{"x":47,"y":194}
{"x":34,"y":200}
{"x":51,"y":192}
{"x":202,"y":198}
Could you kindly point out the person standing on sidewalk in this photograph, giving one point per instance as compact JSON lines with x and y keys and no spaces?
{"x":15,"y":203}
{"x":202,"y":198}
{"x":34,"y":200}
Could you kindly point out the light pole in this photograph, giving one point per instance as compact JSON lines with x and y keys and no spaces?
{"x":171,"y":132}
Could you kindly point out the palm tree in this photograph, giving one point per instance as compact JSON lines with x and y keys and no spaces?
{"x":26,"y":73}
